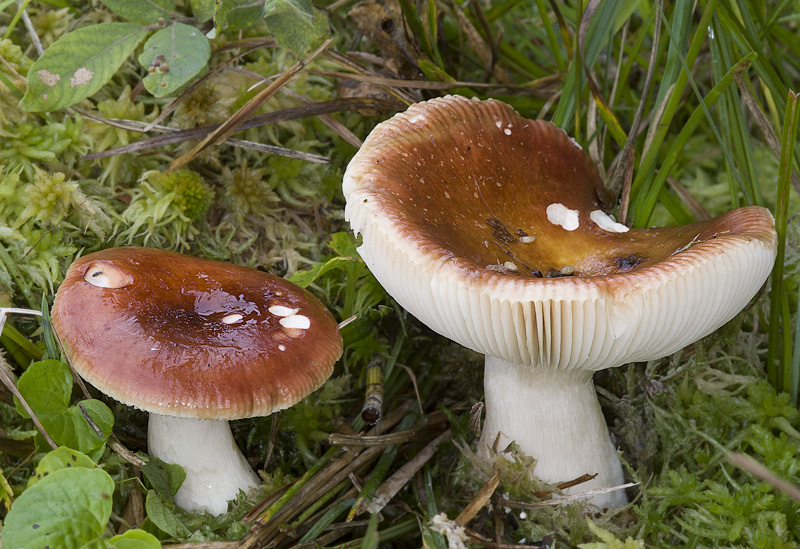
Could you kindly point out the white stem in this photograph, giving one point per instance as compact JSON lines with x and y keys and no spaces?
{"x":215,"y":468}
{"x":555,"y":417}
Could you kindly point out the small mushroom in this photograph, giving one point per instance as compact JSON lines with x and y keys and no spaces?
{"x":195,"y":343}
{"x":438,"y":194}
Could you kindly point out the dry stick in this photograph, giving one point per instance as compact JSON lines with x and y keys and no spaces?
{"x":480,"y":500}
{"x":329,"y":121}
{"x":753,"y":467}
{"x":346,"y":61}
{"x":232,"y":124}
{"x":413,"y":84}
{"x":763,"y":124}
{"x":175,"y":136}
{"x":393,"y":484}
{"x":561,"y":500}
{"x":623,"y":174}
{"x":317,"y":486}
{"x":182,"y":97}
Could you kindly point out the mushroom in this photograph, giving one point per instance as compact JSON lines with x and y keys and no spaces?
{"x":195,"y":343}
{"x":493,"y":230}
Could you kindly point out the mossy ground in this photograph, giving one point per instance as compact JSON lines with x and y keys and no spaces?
{"x":675,"y":420}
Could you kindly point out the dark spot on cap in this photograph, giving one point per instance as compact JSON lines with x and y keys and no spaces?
{"x":499,"y":231}
{"x":629,"y":262}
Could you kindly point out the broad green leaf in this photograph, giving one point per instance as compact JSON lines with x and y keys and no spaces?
{"x":46,"y":387}
{"x":292,"y":28}
{"x":304,"y":278}
{"x":79,"y":64}
{"x":172,"y":57}
{"x":162,"y":517}
{"x":135,"y":539}
{"x":203,"y":10}
{"x":145,"y":12}
{"x":60,"y":458}
{"x":69,"y":508}
{"x":165,"y":478}
{"x":234,"y":15}
{"x":344,"y":244}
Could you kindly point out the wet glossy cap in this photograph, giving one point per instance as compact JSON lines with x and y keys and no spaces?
{"x":492,"y":229}
{"x":188,"y":337}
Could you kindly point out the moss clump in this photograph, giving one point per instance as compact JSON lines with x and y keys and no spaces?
{"x":165,"y":209}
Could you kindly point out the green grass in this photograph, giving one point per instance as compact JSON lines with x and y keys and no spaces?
{"x":687,"y":107}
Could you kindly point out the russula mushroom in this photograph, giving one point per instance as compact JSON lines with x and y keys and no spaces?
{"x":195,"y":343}
{"x":493,"y":230}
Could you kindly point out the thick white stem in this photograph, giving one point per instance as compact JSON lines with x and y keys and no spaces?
{"x":215,"y":468}
{"x":555,"y":417}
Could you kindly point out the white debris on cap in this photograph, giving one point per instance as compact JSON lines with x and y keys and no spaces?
{"x":231,"y":319}
{"x":281,"y":310}
{"x":606,"y":222}
{"x":558,"y":214}
{"x":296,"y":321}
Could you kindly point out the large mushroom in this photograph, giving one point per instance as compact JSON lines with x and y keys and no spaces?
{"x":493,"y":230}
{"x":195,"y":343}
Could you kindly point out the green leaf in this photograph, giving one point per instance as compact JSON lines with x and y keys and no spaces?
{"x":46,"y":387}
{"x":203,"y":10}
{"x":304,"y":278}
{"x":60,"y":458}
{"x":172,"y":57}
{"x":160,"y":515}
{"x":165,"y":478}
{"x":147,"y":12}
{"x":69,"y":508}
{"x":135,"y":539}
{"x":293,"y":28}
{"x":234,"y":15}
{"x":79,"y":64}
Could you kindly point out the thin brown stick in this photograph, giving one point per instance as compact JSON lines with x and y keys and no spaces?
{"x":7,"y":378}
{"x":231,"y":125}
{"x":756,"y":469}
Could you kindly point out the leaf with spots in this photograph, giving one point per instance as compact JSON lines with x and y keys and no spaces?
{"x":172,"y":57}
{"x":78,"y":64}
{"x":68,"y":508}
{"x":85,"y":426}
{"x":146,"y":12}
{"x":60,"y":458}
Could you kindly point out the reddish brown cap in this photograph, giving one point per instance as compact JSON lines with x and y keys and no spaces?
{"x":492,"y":229}
{"x":189,"y":337}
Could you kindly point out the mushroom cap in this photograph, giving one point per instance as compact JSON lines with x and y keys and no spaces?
{"x":492,"y":230}
{"x":189,"y":337}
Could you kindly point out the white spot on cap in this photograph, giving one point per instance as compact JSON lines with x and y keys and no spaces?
{"x":606,"y":222}
{"x":576,"y":143}
{"x":507,"y":131}
{"x":527,"y":239}
{"x":281,"y":310}
{"x":231,"y":319}
{"x":417,"y":118}
{"x":499,"y":123}
{"x":282,"y":347}
{"x":560,"y":215}
{"x":296,"y":321}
